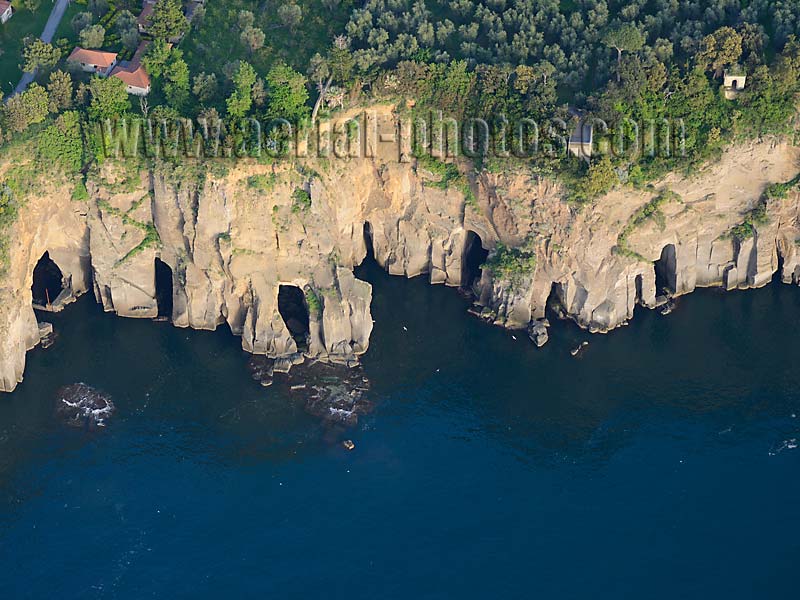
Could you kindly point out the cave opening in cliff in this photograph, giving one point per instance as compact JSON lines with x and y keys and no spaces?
{"x":163,"y":288}
{"x":639,"y":284}
{"x":778,"y":276}
{"x":293,"y":310}
{"x":472,"y":260}
{"x":554,"y":305}
{"x":666,"y":269}
{"x":48,"y":281}
{"x":369,"y":242}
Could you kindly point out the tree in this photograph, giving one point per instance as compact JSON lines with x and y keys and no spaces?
{"x":259,"y":92}
{"x":253,"y":38}
{"x":128,"y":29}
{"x":98,"y":7}
{"x":39,"y":55}
{"x":28,"y":108}
{"x":176,"y":81}
{"x":125,"y":20}
{"x":109,"y":98}
{"x":290,"y":15}
{"x":599,"y":180}
{"x":337,"y":67}
{"x":245,"y":19}
{"x":204,"y":86}
{"x":318,"y":70}
{"x":287,"y":93}
{"x":93,"y":36}
{"x":81,"y":21}
{"x":130,"y":38}
{"x":241,"y":100}
{"x":625,"y":38}
{"x":340,"y":60}
{"x":719,"y":49}
{"x":59,"y":89}
{"x":61,"y":143}
{"x":156,"y":57}
{"x":168,"y":20}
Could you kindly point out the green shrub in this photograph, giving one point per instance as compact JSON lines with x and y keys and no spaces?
{"x":301,"y":201}
{"x":61,"y":143}
{"x":743,"y":231}
{"x":449,"y":176}
{"x":599,"y":179}
{"x":80,"y":193}
{"x":313,"y":302}
{"x":779,"y":191}
{"x":651,"y":210}
{"x":262,"y":182}
{"x":511,"y":264}
{"x":8,"y":213}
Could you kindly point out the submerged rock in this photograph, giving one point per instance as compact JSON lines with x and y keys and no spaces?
{"x":578,"y":349}
{"x":47,"y":335}
{"x":667,"y":307}
{"x":81,"y":405}
{"x":537,"y":331}
{"x":333,"y":393}
{"x":261,"y":369}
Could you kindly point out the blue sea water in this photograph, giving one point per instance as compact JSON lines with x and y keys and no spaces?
{"x":658,"y":464}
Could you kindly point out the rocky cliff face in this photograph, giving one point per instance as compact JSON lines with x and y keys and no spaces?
{"x":233,"y":239}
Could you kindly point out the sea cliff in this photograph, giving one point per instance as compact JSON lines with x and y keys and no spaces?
{"x":233,"y":233}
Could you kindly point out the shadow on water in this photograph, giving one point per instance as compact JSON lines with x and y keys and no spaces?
{"x":547,"y":403}
{"x":192,"y":385}
{"x":427,"y":353}
{"x":489,"y":468}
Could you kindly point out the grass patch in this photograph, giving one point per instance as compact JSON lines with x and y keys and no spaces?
{"x":151,"y":238}
{"x":24,"y":23}
{"x":80,"y":193}
{"x":758,"y":215}
{"x":650,"y":211}
{"x":449,"y":176}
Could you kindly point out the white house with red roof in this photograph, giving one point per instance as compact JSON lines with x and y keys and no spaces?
{"x":133,"y":74}
{"x":6,"y":11}
{"x":136,"y":79}
{"x":93,"y":61}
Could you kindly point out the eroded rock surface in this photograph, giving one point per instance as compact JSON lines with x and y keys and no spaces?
{"x":231,"y":236}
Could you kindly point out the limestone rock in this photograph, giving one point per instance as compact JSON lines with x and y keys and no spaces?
{"x":230,"y":245}
{"x":537,"y":332}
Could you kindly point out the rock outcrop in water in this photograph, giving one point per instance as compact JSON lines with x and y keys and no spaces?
{"x":80,"y":405}
{"x":230,"y":236}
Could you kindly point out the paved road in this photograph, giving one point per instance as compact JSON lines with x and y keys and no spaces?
{"x":47,"y":35}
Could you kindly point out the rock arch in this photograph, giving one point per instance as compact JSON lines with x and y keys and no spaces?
{"x":48,"y":283}
{"x":163,"y":287}
{"x":294,"y":312}
{"x":369,"y":241}
{"x":666,"y":268}
{"x":472,"y":259}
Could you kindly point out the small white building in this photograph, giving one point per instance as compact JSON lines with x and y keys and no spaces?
{"x":136,"y":80}
{"x":6,"y":11}
{"x":580,"y":142}
{"x":133,"y":73}
{"x":734,"y":81}
{"x":93,"y":61}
